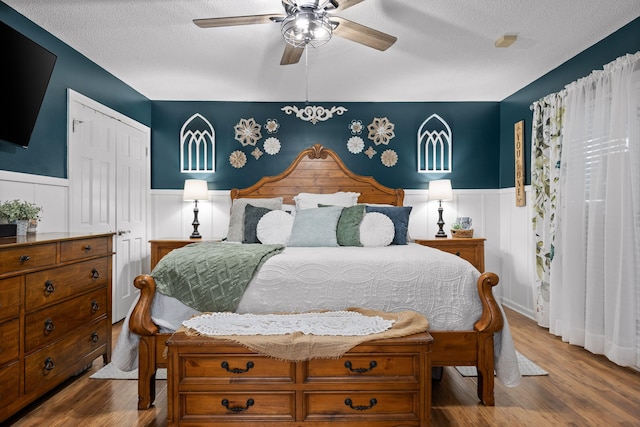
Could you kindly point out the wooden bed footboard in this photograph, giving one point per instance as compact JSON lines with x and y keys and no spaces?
{"x":449,"y":348}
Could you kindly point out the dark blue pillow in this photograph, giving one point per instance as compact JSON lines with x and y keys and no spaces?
{"x":252,"y":215}
{"x":399,"y":215}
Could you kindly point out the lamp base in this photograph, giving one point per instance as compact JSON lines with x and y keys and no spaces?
{"x":440,"y":234}
{"x":195,"y":223}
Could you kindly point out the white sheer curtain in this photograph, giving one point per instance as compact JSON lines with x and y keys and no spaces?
{"x":595,"y":273}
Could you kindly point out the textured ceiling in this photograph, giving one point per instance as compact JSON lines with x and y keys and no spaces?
{"x":445,"y":49}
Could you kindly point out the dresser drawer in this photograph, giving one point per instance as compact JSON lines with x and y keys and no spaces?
{"x":9,"y":298}
{"x":366,"y":367}
{"x":9,"y":337}
{"x":9,"y":384}
{"x":238,"y":406}
{"x":50,"y":324}
{"x":354,"y":406}
{"x":26,"y":257}
{"x":234,"y":368}
{"x":84,"y":248}
{"x":50,"y":286}
{"x":50,"y":365}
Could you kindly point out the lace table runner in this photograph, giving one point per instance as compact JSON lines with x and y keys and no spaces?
{"x":330,"y":323}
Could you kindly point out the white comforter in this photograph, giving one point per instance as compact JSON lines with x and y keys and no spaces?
{"x":439,"y":285}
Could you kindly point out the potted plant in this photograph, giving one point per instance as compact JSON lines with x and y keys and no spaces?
{"x":21,"y":213}
{"x":458,"y":230}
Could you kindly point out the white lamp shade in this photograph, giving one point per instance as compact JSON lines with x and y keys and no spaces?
{"x":195,"y":189}
{"x":440,"y":190}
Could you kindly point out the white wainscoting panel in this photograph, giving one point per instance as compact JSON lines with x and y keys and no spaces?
{"x":49,"y":193}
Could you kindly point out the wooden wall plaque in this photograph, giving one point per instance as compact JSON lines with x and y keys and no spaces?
{"x":518,"y":131}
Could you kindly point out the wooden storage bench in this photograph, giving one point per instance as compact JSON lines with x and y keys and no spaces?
{"x":379,"y":383}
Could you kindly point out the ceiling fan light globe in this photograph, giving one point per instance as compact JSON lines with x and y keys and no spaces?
{"x":306,"y":28}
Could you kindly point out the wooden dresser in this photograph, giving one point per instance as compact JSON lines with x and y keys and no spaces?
{"x":471,"y":249}
{"x":55,"y":311}
{"x":380,"y":383}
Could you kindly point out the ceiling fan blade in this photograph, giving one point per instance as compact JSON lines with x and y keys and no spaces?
{"x":237,"y":20}
{"x":346,"y":4}
{"x":291,"y":54}
{"x":361,"y":34}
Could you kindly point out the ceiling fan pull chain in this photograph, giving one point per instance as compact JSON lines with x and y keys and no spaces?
{"x":306,"y":76}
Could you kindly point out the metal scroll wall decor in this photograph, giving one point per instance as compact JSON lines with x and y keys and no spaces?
{"x":314,"y":113}
{"x":197,"y":146}
{"x":434,"y":146}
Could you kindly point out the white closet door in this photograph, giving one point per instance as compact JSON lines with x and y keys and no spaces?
{"x":108,"y":180}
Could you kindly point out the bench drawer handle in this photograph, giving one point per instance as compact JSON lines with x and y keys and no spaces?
{"x":225,"y":403}
{"x":24,"y":258}
{"x":372,"y":365}
{"x":225,"y":365}
{"x":372,"y":403}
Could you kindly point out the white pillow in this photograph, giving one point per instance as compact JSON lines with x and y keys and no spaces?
{"x":312,"y":200}
{"x":274,"y":228}
{"x":236,"y":221}
{"x":376,"y":230}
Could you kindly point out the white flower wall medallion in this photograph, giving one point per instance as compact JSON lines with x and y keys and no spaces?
{"x":238,"y":159}
{"x":272,"y":126}
{"x":389,"y":158}
{"x":272,"y":146}
{"x":257,"y":153}
{"x":314,"y":113}
{"x":370,"y":152}
{"x":381,"y":131}
{"x":247,"y":132}
{"x":355,"y":145}
{"x":356,"y":127}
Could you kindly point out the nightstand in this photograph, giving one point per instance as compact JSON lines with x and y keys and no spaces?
{"x":161,"y":247}
{"x":471,"y":249}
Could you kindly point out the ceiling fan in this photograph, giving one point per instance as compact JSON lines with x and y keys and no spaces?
{"x":308,"y":22}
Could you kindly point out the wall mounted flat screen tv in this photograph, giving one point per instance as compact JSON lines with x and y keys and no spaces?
{"x":25,"y":72}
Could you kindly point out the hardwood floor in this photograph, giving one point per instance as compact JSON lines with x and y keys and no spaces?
{"x":581,"y":390}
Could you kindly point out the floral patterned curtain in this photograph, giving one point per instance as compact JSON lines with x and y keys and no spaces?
{"x":546,"y":147}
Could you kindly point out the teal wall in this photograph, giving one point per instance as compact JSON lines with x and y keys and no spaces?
{"x":474,"y":127}
{"x":482,"y":131}
{"x":516,"y":107}
{"x":47,"y":152}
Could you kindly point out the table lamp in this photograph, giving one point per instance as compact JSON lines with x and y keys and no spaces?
{"x":195,"y":189}
{"x":440,"y":190}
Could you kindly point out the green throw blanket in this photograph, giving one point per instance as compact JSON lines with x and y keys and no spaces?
{"x":210,"y":276}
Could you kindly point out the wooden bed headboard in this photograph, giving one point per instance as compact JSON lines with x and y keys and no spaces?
{"x":320,"y":170}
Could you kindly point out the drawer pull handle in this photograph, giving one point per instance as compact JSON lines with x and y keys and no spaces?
{"x":48,"y":364}
{"x":372,"y":365}
{"x":225,"y":365}
{"x":225,"y":403}
{"x":48,"y":326}
{"x":49,"y":287}
{"x":87,"y":248}
{"x":372,"y":403}
{"x":24,"y":258}
{"x":458,"y":253}
{"x":95,"y":274}
{"x":94,"y":306}
{"x":95,"y":337}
